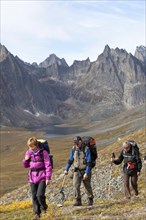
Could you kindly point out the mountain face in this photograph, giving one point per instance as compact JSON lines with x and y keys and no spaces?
{"x":52,"y":92}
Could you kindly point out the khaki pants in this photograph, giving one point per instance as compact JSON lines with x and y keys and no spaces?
{"x":134,"y":179}
{"x":77,"y":179}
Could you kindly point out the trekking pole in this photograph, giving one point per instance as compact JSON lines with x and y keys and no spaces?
{"x":61,"y":193}
{"x":109,"y":188}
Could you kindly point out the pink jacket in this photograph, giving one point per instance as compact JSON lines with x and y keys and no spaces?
{"x":39,"y":164}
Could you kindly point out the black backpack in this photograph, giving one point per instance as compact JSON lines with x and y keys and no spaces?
{"x":90,"y":142}
{"x":44,"y":144}
{"x":135,"y":148}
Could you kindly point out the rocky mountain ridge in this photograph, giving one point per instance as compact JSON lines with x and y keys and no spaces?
{"x":52,"y":92}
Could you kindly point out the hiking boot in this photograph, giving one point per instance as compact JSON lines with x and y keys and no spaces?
{"x":90,"y":201}
{"x":36,"y":217}
{"x":78,"y":202}
{"x":43,"y":212}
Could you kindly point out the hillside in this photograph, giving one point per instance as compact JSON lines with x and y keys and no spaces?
{"x":13,"y":142}
{"x":109,"y":201}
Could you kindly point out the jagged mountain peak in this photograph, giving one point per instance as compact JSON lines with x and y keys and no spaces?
{"x":140,"y":53}
{"x":141,"y":48}
{"x":106,"y":50}
{"x":3,"y":53}
{"x":53,"y":59}
{"x":81,"y":61}
{"x":110,"y":51}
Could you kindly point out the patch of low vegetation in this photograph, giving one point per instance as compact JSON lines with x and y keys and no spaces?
{"x":23,"y":210}
{"x":102,"y":209}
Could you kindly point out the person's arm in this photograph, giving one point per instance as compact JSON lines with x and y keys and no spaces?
{"x":139,"y":162}
{"x":119,"y":160}
{"x":26,"y":160}
{"x":88,"y":160}
{"x":70,"y":161}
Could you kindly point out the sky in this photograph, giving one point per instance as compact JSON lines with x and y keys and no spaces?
{"x":73,"y":30}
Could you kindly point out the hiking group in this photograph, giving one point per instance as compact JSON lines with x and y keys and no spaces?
{"x":83,"y":157}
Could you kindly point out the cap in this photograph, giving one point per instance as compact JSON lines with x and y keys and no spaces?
{"x":77,"y":139}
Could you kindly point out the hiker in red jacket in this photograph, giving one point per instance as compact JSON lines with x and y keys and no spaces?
{"x":40,"y":172}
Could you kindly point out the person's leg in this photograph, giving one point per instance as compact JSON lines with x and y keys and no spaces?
{"x":76,"y":184}
{"x":126,"y":186}
{"x":36,"y":205}
{"x":134,"y":179}
{"x":41,"y":195}
{"x":88,"y":189}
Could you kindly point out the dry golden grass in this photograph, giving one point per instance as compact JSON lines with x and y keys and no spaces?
{"x":103,"y":209}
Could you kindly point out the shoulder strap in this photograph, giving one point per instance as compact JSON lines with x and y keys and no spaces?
{"x":85,"y":148}
{"x":42,"y":155}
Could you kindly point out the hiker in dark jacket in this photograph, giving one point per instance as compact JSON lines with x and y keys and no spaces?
{"x":132,"y":167}
{"x":81,"y":158}
{"x":40,"y":172}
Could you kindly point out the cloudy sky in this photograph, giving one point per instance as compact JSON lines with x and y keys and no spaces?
{"x":74,"y":30}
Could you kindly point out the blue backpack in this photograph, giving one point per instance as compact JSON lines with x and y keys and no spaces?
{"x":44,"y":144}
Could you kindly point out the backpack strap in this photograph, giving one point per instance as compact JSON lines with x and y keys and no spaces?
{"x":42,"y":155}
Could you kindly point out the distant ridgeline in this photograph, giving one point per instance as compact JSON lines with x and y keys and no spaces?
{"x":33,"y":95}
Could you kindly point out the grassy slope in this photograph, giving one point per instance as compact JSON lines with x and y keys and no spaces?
{"x":117,"y":208}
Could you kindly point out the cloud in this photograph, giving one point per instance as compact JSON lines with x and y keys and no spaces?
{"x":70,"y":29}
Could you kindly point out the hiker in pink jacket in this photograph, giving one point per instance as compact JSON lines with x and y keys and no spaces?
{"x":40,"y":172}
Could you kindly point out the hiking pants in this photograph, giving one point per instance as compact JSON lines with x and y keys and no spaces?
{"x":134,"y":179}
{"x":38,"y":196}
{"x":77,"y":179}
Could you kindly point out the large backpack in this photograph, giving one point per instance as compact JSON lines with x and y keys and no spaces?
{"x":90,"y":142}
{"x":135,"y":148}
{"x":130,"y":163}
{"x":44,"y":144}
